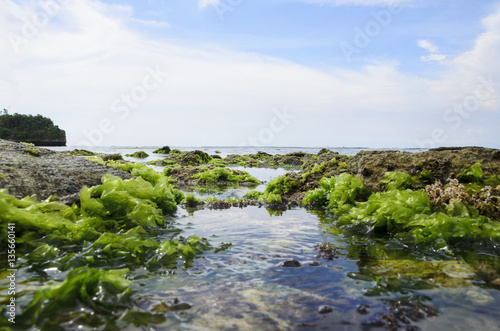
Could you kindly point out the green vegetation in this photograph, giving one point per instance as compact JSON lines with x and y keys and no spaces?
{"x":138,"y":155}
{"x":19,"y":127}
{"x":163,"y":150}
{"x":339,"y":193}
{"x":116,"y":229}
{"x":253,"y":195}
{"x":81,"y":152}
{"x":32,"y":152}
{"x":218,"y":175}
{"x":277,"y":187}
{"x":451,"y":219}
{"x":190,"y":200}
{"x":27,"y":144}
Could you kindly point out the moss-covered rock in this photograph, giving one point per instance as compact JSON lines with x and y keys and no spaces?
{"x":138,"y":155}
{"x":163,"y":150}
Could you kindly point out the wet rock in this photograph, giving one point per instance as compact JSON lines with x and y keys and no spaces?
{"x":292,"y":160}
{"x":325,"y":309}
{"x":363,"y":309}
{"x":112,"y":157}
{"x":163,"y":150}
{"x":291,"y":264}
{"x":216,"y":156}
{"x":52,"y":173}
{"x":314,"y":264}
{"x":323,"y":151}
{"x":194,"y":158}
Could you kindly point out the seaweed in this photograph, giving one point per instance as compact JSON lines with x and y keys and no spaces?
{"x":397,"y":180}
{"x":218,"y":175}
{"x":277,"y":187}
{"x":163,"y":150}
{"x":339,"y":193}
{"x":138,"y":155}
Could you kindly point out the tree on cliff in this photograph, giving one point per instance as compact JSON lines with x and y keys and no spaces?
{"x":30,"y":128}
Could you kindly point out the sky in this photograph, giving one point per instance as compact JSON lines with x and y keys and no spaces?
{"x":311,"y":73}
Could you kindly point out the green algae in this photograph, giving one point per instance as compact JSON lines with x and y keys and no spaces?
{"x":32,"y":152}
{"x":338,"y":193}
{"x":138,"y":155}
{"x":163,"y":150}
{"x":218,"y":175}
{"x":95,"y":240}
{"x":404,"y":214}
{"x":277,"y":187}
{"x":253,"y":195}
{"x":81,"y":152}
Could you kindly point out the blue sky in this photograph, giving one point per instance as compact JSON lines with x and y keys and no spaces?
{"x":376,"y":73}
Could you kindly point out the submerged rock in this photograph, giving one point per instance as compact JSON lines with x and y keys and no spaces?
{"x":51,"y":173}
{"x":291,"y":264}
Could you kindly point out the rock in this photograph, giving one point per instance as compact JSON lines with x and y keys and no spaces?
{"x":139,"y":155}
{"x":292,"y":160}
{"x":216,"y":157}
{"x":363,"y":309}
{"x":323,"y":151}
{"x":291,"y":264}
{"x":325,"y":309}
{"x":51,"y":173}
{"x":163,"y":150}
{"x":112,"y":157}
{"x":194,"y":158}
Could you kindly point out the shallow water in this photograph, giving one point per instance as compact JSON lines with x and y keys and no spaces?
{"x":247,"y":288}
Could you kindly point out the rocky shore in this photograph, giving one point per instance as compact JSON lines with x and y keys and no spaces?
{"x":26,"y":170}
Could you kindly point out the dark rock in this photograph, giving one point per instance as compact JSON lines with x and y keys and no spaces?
{"x":216,"y":157}
{"x":323,"y":151}
{"x":363,"y":309}
{"x":325,"y":309}
{"x":163,"y":150}
{"x":51,"y":173}
{"x":291,"y":264}
{"x":112,"y":157}
{"x":495,"y":155}
{"x":292,"y":160}
{"x":314,"y":264}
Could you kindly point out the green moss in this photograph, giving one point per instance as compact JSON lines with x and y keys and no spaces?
{"x":27,"y":144}
{"x":81,"y":152}
{"x":224,"y":175}
{"x":217,"y":152}
{"x":191,"y":201}
{"x":218,"y":162}
{"x":138,"y":155}
{"x":343,"y":165}
{"x":277,"y":187}
{"x":32,"y":152}
{"x":163,"y":150}
{"x":471,"y":174}
{"x":175,"y":151}
{"x":253,"y":195}
{"x":397,"y":180}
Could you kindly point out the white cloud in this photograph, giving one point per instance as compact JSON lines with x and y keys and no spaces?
{"x":434,"y":58}
{"x":205,"y":3}
{"x":151,"y":23}
{"x":77,"y":65}
{"x":428,"y":46}
{"x":433,"y":49}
